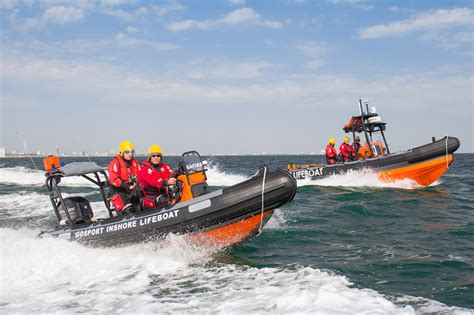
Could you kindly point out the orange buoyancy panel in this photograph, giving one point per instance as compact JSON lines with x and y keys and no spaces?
{"x":189,"y":181}
{"x":51,"y":162}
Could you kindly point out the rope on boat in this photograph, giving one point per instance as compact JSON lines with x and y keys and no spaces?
{"x":263,"y":200}
{"x":447,"y":160}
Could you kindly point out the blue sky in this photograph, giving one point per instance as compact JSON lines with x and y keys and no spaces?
{"x":232,"y":76}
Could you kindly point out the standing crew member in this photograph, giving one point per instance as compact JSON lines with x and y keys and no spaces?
{"x":331,"y":153}
{"x":356,"y":147}
{"x":154,"y":176}
{"x":346,"y":151}
{"x":123,"y":172}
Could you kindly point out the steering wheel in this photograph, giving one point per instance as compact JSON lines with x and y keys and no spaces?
{"x":175,"y":191}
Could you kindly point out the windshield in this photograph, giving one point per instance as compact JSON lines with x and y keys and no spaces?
{"x":192,"y":162}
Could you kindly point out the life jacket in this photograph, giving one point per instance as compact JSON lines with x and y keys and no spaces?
{"x":119,"y":172}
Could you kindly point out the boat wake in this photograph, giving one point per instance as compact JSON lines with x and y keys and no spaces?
{"x":64,"y":276}
{"x":23,"y":176}
{"x":361,"y":178}
{"x":148,"y":277}
{"x":217,"y":177}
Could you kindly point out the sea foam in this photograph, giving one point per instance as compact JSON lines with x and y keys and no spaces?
{"x":58,"y":275}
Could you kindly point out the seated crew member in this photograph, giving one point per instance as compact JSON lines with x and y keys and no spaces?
{"x":331,"y":153}
{"x":346,"y":151}
{"x":123,"y":171}
{"x":356,"y":147}
{"x":154,"y":176}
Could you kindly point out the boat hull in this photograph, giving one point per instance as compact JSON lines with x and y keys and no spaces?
{"x":221,"y":218}
{"x":424,"y":164}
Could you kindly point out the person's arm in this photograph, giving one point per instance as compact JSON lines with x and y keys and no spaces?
{"x":114,"y":174}
{"x":166,"y":175}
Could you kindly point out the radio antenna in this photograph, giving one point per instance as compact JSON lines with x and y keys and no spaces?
{"x":25,"y":148}
{"x":82,"y":147}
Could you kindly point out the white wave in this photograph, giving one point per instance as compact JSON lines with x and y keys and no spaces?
{"x":21,"y":204}
{"x":359,"y":178}
{"x":277,"y":221}
{"x":26,"y":205}
{"x":216,"y":177}
{"x":426,"y":306}
{"x":59,"y":275}
{"x":52,"y":275}
{"x":28,"y":177}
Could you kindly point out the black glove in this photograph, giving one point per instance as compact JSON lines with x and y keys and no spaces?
{"x":125,"y":185}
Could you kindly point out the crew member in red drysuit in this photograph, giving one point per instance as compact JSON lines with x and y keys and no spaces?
{"x":123,"y":171}
{"x":331,"y":153}
{"x":154,"y":176}
{"x":346,"y":151}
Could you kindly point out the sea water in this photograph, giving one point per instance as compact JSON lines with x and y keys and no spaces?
{"x":347,"y":244}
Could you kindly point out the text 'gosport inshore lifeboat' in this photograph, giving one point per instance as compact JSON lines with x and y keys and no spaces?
{"x":219,"y":218}
{"x":423,"y":164}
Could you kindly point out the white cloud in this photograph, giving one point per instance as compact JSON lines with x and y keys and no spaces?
{"x":53,"y":15}
{"x":422,"y":89}
{"x":464,"y":37}
{"x":116,"y":2}
{"x":123,"y":14}
{"x":165,"y":9}
{"x":8,"y":4}
{"x":361,"y":4}
{"x":315,"y":50}
{"x":296,"y":1}
{"x":428,"y":21}
{"x":96,"y":88}
{"x":132,"y":30}
{"x":237,"y":17}
{"x":62,"y":15}
{"x":315,"y":63}
{"x":237,"y":2}
{"x":123,"y":40}
{"x":220,"y":70}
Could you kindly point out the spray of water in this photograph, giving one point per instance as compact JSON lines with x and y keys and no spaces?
{"x":360,"y":178}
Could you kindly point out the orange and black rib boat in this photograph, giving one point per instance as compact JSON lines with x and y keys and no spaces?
{"x":220,"y":218}
{"x":424,"y":164}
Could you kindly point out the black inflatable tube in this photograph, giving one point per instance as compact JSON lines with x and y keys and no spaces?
{"x":437,"y":148}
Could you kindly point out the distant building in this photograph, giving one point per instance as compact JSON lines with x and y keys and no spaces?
{"x":2,"y":151}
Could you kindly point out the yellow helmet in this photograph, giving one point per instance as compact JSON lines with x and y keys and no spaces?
{"x":126,"y":146}
{"x":346,"y":139}
{"x":154,"y":149}
{"x":332,"y":141}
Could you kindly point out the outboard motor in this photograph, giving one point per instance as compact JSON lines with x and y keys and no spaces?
{"x":79,"y":210}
